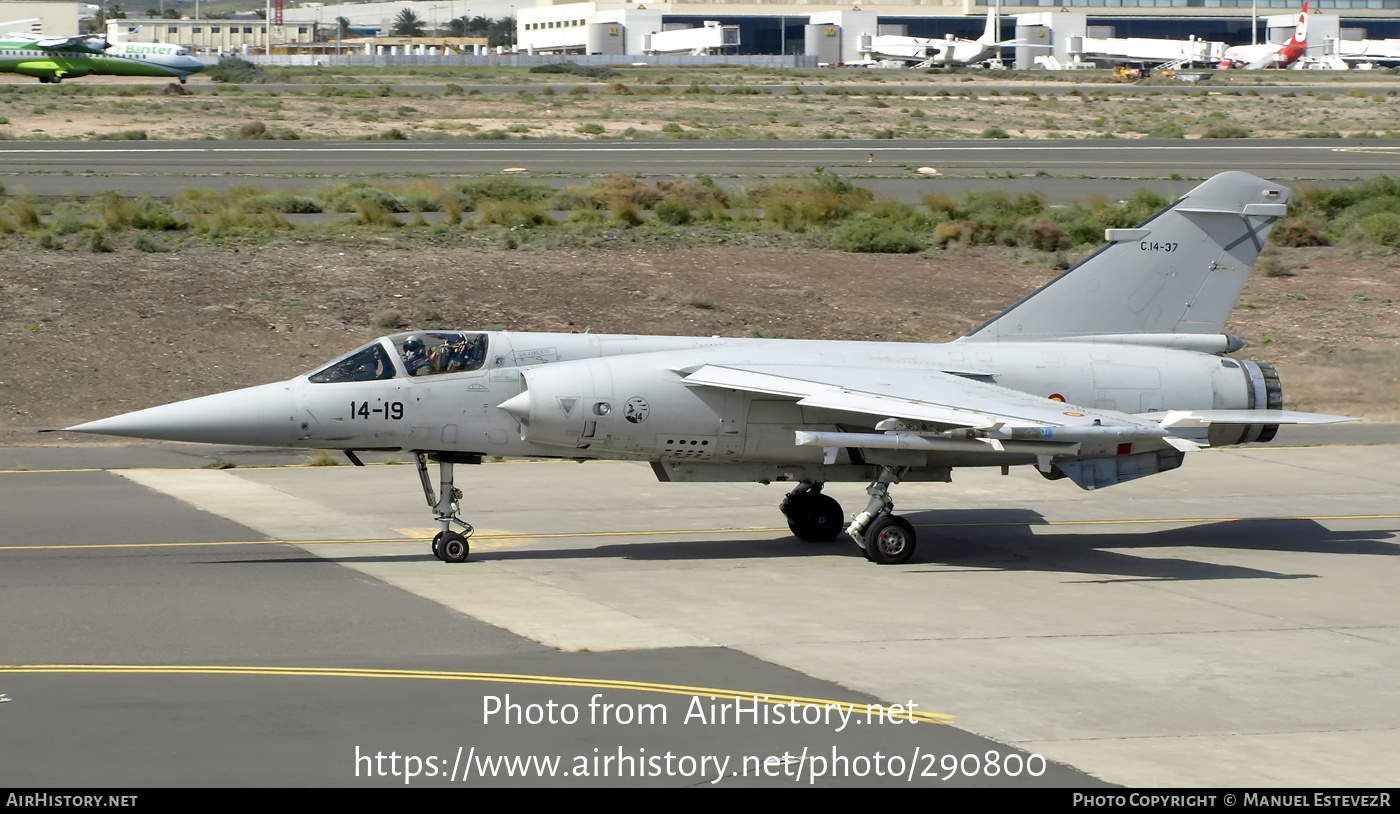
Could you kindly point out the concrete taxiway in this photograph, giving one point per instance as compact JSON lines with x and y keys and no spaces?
{"x":1229,"y":623}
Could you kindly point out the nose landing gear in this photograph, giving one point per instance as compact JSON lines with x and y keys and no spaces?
{"x":448,"y":545}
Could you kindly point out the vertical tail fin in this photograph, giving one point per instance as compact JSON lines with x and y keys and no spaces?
{"x":1179,"y":272}
{"x":992,"y":33}
{"x":1300,"y":30}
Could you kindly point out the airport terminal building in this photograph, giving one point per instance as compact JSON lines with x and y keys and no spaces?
{"x":623,"y":27}
{"x":832,"y":32}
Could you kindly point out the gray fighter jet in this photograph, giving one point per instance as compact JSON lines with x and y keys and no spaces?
{"x":1113,"y":371}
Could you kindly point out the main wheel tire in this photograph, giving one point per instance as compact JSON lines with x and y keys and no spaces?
{"x":816,"y":518}
{"x":454,"y":547}
{"x":889,"y":540}
{"x":437,"y":545}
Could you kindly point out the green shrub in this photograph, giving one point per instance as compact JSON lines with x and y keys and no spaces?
{"x":68,"y":217}
{"x":25,"y":215}
{"x":672,"y":212}
{"x":866,"y":233}
{"x":590,"y":129}
{"x":944,"y":233}
{"x":114,"y":211}
{"x":1226,"y":130}
{"x":1044,"y":235}
{"x":703,"y":196}
{"x":370,"y":213}
{"x":1305,"y":230}
{"x":513,"y":214}
{"x":146,"y":243}
{"x":592,"y":71}
{"x":941,"y":203}
{"x":281,"y":202}
{"x":240,"y":71}
{"x":470,"y":194}
{"x":823,"y":200}
{"x":625,"y":212}
{"x":1382,"y":228}
{"x":251,"y":131}
{"x":346,"y":198}
{"x":995,"y":132}
{"x":122,"y":135}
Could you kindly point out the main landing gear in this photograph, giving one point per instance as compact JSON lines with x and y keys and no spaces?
{"x":448,"y":545}
{"x":811,"y":515}
{"x":881,"y":536}
{"x":885,"y":539}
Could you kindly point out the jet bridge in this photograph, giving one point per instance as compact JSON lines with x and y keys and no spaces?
{"x":1143,"y":49}
{"x":710,"y":38}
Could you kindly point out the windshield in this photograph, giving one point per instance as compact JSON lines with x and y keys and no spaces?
{"x":367,"y":364}
{"x":433,"y":352}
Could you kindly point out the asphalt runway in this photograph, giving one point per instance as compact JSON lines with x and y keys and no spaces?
{"x":1229,"y":623}
{"x":1062,"y":170}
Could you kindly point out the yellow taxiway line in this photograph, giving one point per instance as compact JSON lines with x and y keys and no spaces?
{"x":776,"y":699}
{"x":677,"y":532}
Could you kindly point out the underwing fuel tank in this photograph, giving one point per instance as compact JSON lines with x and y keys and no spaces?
{"x":265,"y":415}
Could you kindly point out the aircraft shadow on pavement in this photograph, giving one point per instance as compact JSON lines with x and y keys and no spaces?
{"x":1007,"y":541}
{"x":1004,"y":540}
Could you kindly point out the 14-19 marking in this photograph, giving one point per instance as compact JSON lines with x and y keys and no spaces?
{"x":361,"y":409}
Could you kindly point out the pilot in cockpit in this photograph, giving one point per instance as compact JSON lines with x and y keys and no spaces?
{"x":415,"y":357}
{"x":467,"y":354}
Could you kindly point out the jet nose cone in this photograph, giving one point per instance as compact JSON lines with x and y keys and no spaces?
{"x":258,"y":416}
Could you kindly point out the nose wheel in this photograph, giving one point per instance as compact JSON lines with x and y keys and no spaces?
{"x":448,"y":545}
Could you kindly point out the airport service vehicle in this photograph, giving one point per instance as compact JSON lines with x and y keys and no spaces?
{"x":53,"y":59}
{"x":1111,"y":372}
{"x":1268,"y":54}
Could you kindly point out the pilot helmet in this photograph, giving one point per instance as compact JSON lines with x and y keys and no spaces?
{"x":413,"y":344}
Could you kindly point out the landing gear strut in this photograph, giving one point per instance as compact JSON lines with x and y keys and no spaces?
{"x":811,"y":515}
{"x":885,"y":539}
{"x":448,"y":545}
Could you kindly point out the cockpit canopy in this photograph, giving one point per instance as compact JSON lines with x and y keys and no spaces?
{"x":417,"y":354}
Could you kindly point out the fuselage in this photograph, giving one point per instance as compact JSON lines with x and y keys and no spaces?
{"x":1241,"y":56}
{"x":621,"y":397}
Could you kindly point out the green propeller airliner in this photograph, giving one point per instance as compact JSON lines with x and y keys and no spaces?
{"x":53,"y":59}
